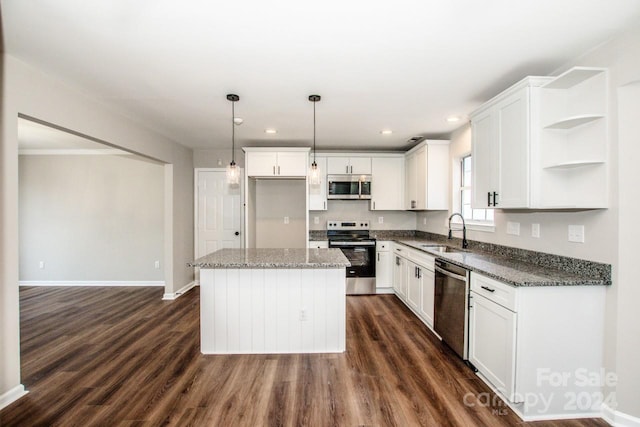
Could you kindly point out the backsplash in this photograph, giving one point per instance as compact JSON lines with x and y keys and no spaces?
{"x":359,"y":210}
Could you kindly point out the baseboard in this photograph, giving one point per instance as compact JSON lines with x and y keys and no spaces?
{"x":384,"y":291}
{"x":91,"y":283}
{"x":12,"y":395}
{"x":181,"y":291}
{"x":617,"y":418}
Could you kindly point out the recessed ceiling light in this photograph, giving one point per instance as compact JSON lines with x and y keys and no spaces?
{"x":453,"y":119}
{"x":270,"y":131}
{"x":386,"y":131}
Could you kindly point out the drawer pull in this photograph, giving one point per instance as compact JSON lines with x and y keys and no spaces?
{"x":486,"y":288}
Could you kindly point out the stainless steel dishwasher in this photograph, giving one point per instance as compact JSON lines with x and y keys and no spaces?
{"x":451,"y":312}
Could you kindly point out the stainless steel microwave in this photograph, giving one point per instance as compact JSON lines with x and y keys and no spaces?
{"x":349,"y":187}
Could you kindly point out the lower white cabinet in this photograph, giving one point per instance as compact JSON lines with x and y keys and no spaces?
{"x":414,"y":281}
{"x":492,"y":343}
{"x":540,"y":347}
{"x":384,"y":265}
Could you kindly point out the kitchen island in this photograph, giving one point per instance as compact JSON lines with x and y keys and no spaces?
{"x":263,"y":301}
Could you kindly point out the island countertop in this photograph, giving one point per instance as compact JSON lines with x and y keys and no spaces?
{"x":273,"y":258}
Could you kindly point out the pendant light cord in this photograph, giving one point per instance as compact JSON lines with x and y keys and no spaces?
{"x":314,"y":132}
{"x":233,"y":132}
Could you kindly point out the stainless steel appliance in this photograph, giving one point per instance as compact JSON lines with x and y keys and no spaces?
{"x":451,"y":312}
{"x":352,"y":237}
{"x":349,"y":187}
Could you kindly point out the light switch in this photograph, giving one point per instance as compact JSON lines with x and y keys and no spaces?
{"x":316,"y":220}
{"x":513,"y":228}
{"x":576,"y":233}
{"x":380,"y":220}
{"x":286,"y":220}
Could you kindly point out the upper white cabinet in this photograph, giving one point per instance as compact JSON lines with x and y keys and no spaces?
{"x":387,"y":183}
{"x":349,"y":165}
{"x":427,"y":176}
{"x":502,"y":131}
{"x":289,"y":163}
{"x":318,"y":192}
{"x":572,"y":156}
{"x":542,"y":144}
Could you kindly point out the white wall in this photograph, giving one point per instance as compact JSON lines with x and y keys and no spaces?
{"x":275,"y":199}
{"x":359,"y":210}
{"x":611,"y":235}
{"x":216,"y":158}
{"x":27,"y":91}
{"x":91,"y":218}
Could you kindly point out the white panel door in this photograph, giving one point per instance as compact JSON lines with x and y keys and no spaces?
{"x":387,"y":187}
{"x":219,"y":214}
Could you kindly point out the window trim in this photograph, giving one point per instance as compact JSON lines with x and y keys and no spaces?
{"x":485,"y":226}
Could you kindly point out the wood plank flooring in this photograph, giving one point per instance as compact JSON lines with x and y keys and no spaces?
{"x":122,"y":357}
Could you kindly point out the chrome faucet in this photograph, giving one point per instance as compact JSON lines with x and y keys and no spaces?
{"x":465,"y":244}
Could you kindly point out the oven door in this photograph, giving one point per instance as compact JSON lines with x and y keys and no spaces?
{"x":361,"y":255}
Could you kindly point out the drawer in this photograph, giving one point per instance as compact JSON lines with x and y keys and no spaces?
{"x":319,"y":244}
{"x":421,"y":258}
{"x":496,"y":291}
{"x":383,"y":246}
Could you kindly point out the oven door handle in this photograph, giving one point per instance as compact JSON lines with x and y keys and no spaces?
{"x":335,"y":244}
{"x":450,"y":274}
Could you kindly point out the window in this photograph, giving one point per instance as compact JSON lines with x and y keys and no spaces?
{"x":482,"y":216}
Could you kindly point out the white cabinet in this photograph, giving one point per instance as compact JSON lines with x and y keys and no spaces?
{"x":318,"y":192}
{"x":384,"y":265}
{"x":502,"y":133}
{"x":387,"y":183}
{"x":414,"y":281}
{"x":349,"y":165}
{"x":399,"y":275}
{"x":427,"y":176}
{"x":522,"y":339}
{"x":280,"y":164}
{"x":318,"y":244}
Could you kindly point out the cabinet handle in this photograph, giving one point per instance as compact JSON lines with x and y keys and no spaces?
{"x":378,"y":257}
{"x":274,"y":170}
{"x":495,"y":199}
{"x":347,"y":168}
{"x":486,"y":288}
{"x":374,"y":206}
{"x":488,"y":198}
{"x":278,"y":170}
{"x":419,"y":272}
{"x":325,"y":205}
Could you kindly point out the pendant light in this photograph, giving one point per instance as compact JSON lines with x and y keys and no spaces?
{"x":314,"y":173}
{"x":233,"y":172}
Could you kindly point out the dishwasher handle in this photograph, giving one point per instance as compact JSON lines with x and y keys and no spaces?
{"x":450,"y":274}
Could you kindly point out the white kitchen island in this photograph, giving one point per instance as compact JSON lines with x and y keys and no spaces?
{"x":264,"y":301}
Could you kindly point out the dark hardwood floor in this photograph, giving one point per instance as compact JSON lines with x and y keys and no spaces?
{"x":123,"y":357}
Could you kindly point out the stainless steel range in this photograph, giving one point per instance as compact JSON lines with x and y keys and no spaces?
{"x":352,"y":237}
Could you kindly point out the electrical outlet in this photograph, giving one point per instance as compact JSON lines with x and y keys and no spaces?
{"x":380,"y":220}
{"x":576,"y":233}
{"x":424,"y":220}
{"x":156,"y":264}
{"x":513,"y":228}
{"x":316,"y":220}
{"x":286,"y":220}
{"x":303,"y":315}
{"x":41,"y":265}
{"x":535,"y":230}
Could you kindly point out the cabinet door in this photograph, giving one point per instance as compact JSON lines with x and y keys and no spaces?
{"x":318,"y":193}
{"x":421,"y":178}
{"x":292,"y":164}
{"x":360,"y":165}
{"x":261,"y":163}
{"x":411,"y":193}
{"x":414,"y":285}
{"x":400,"y":276}
{"x":428,"y":296}
{"x":337,"y":165}
{"x":513,"y":137}
{"x":484,"y":159}
{"x":492,"y":343}
{"x":384,"y":269}
{"x":387,"y":183}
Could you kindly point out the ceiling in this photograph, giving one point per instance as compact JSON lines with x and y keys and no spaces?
{"x":404,"y":65}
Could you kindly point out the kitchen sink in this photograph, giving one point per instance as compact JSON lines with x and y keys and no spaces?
{"x":442,"y":248}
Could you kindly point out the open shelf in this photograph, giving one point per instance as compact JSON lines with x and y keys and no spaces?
{"x":573,"y":77}
{"x":575,"y":121}
{"x":574,"y":164}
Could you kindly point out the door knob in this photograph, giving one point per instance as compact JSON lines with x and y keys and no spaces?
{"x":237,"y":233}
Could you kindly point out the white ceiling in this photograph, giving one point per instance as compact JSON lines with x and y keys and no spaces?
{"x":403,"y":65}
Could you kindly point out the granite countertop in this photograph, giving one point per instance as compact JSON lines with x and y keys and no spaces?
{"x":509,"y":270}
{"x":273,"y":258}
